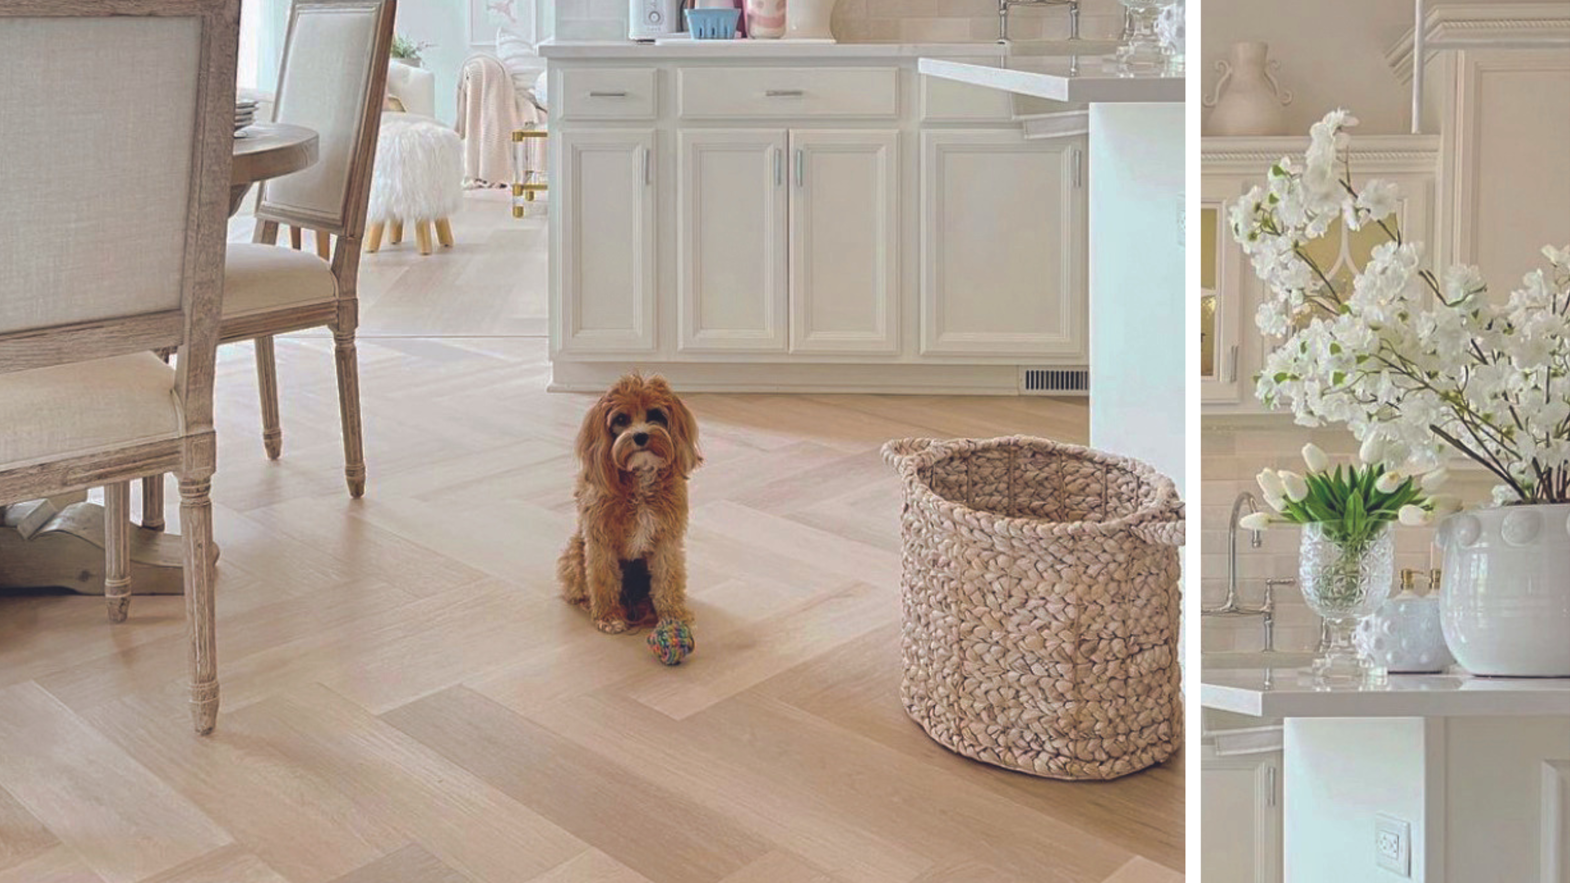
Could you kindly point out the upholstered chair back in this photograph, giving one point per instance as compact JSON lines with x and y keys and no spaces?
{"x":116,"y":139}
{"x":332,"y":80}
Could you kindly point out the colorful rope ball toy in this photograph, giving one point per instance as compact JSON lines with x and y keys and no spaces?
{"x":671,"y":641}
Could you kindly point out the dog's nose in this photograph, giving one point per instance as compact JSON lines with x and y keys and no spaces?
{"x":641,"y":438}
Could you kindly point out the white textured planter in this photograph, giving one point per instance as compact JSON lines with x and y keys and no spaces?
{"x":1506,"y":590}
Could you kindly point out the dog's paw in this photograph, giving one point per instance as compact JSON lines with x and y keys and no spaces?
{"x":611,"y":626}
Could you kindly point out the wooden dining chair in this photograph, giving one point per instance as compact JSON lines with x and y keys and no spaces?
{"x":89,"y":290}
{"x":331,"y":81}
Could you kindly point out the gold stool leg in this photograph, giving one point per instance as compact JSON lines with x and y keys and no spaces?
{"x":444,"y":232}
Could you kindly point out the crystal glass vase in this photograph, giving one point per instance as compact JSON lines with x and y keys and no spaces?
{"x":1143,"y":49}
{"x":1343,"y":580}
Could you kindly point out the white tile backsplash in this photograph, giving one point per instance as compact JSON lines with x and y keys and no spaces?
{"x":1232,"y":456}
{"x":885,"y":21}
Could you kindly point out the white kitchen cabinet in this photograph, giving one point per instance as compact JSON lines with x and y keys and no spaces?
{"x":605,"y":252}
{"x":1507,"y":168}
{"x":844,"y":242}
{"x":808,"y":223}
{"x":1003,"y":260}
{"x":1241,"y":805}
{"x":732,"y":288}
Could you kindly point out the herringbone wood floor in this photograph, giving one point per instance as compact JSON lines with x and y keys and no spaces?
{"x":406,"y":701}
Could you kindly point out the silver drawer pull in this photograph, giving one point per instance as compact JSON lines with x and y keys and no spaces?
{"x":607,"y":94}
{"x":783,"y":93}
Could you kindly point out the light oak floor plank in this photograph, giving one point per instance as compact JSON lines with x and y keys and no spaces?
{"x":124,"y":822}
{"x":404,"y":692}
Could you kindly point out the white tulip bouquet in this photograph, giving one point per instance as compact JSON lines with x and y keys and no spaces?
{"x":1409,"y":362}
{"x":1353,"y":502}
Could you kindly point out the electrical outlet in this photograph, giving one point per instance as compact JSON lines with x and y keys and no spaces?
{"x":1393,"y":845}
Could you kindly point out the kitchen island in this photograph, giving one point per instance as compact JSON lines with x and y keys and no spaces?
{"x":1475,"y":771}
{"x":1135,"y":237}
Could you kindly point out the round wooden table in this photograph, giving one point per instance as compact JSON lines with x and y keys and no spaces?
{"x":268,"y":150}
{"x":60,"y":542}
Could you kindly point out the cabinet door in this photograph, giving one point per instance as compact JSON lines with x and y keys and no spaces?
{"x":731,"y":240}
{"x":605,"y":242}
{"x":1509,"y":181}
{"x":1241,"y":806}
{"x":1003,"y":263}
{"x":844,"y":242}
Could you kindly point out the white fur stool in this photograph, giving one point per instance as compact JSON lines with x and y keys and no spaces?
{"x":418,"y":179}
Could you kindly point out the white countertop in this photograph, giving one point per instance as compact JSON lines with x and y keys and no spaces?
{"x":1085,"y":79}
{"x":1284,"y":693}
{"x":784,"y":49}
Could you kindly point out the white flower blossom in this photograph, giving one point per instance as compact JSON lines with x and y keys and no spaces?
{"x":1297,"y":488}
{"x":1255,"y":521}
{"x":1414,"y":516}
{"x":1413,"y":362}
{"x":1315,"y":458}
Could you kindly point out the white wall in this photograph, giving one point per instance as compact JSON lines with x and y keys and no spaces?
{"x":1137,"y":305}
{"x":1331,"y":54}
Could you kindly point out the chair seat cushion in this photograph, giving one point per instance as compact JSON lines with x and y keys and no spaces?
{"x":261,"y":278}
{"x":64,"y":410}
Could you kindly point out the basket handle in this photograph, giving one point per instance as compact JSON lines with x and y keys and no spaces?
{"x":910,"y":454}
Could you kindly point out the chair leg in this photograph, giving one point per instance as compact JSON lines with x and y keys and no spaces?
{"x":117,"y":549}
{"x":349,"y":411}
{"x":324,"y":245}
{"x":396,"y":235}
{"x":422,"y":236}
{"x":153,"y":502}
{"x":444,"y":232}
{"x":294,"y":237}
{"x":196,"y":528}
{"x":267,"y":381}
{"x":373,"y":237}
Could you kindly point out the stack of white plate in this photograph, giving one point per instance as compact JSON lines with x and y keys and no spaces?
{"x":244,"y":113}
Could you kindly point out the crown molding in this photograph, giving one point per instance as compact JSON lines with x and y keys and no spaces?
{"x":1369,"y":153}
{"x":1517,"y":21}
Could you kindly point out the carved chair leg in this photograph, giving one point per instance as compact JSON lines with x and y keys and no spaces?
{"x":396,"y":234}
{"x":196,"y":526}
{"x":422,"y":236}
{"x":349,"y":411}
{"x":153,"y":502}
{"x":373,"y":236}
{"x":117,"y":549}
{"x":267,"y":382}
{"x":324,"y":245}
{"x":294,"y":237}
{"x":444,"y":232}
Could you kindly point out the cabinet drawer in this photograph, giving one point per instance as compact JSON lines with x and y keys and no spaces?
{"x":721,"y":92}
{"x":608,"y":93}
{"x":945,"y":101}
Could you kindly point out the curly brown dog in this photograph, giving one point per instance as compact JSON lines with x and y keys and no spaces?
{"x":625,"y":562}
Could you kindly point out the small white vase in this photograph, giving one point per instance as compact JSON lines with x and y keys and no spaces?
{"x":1506,"y":590}
{"x":809,"y":20}
{"x":1248,"y":100}
{"x":1404,"y":636}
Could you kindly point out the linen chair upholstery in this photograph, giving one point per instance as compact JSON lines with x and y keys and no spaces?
{"x":89,"y":288}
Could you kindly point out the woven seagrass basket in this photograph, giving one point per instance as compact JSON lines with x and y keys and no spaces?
{"x":1040,"y":598}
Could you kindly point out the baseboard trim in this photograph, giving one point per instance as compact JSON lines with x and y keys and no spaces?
{"x":798,"y":378}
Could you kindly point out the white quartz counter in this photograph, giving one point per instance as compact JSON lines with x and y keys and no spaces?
{"x":787,"y":49}
{"x":1284,"y":693}
{"x":1078,"y":79}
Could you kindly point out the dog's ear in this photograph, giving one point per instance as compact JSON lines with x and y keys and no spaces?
{"x":684,"y":433}
{"x":594,"y":448}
